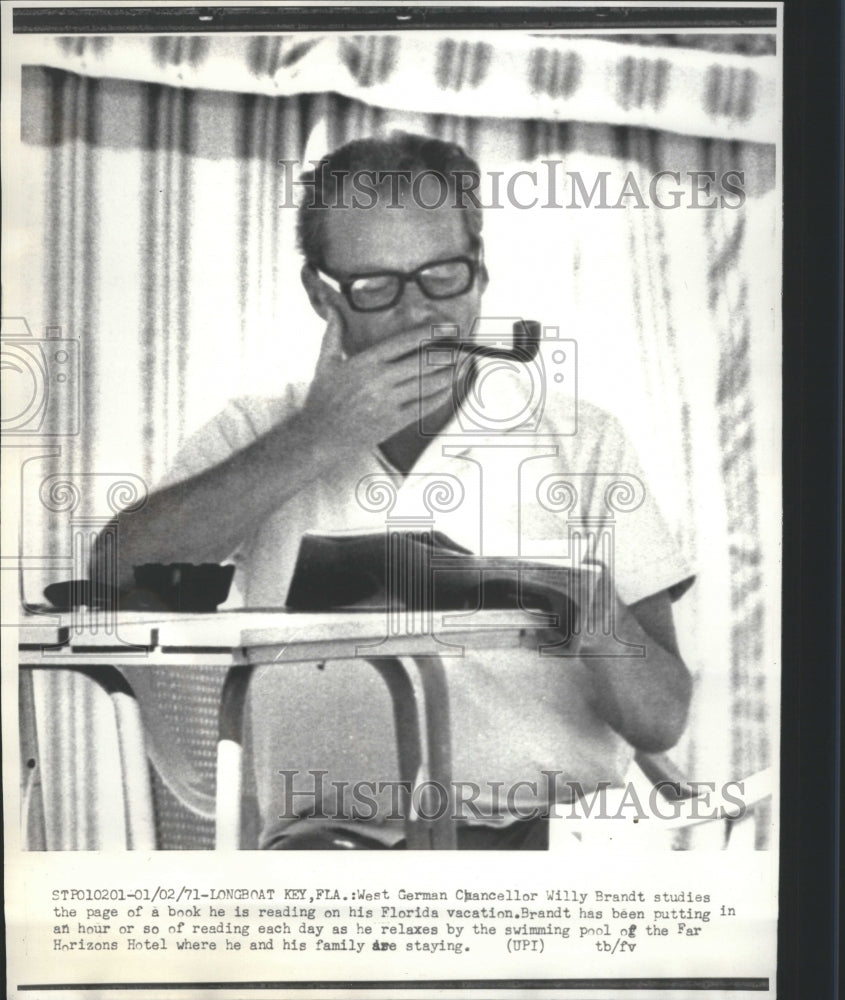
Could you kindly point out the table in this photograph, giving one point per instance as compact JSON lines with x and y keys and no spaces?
{"x":113,"y":649}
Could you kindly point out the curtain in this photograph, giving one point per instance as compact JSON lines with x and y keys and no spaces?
{"x":161,"y":242}
{"x":707,"y":85}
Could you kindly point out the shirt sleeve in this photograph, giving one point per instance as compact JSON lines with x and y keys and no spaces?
{"x":238,"y":425}
{"x":637,"y":544}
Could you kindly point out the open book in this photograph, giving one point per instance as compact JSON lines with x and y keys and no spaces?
{"x":427,"y":571}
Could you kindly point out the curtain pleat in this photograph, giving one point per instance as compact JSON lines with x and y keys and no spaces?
{"x":168,"y":249}
{"x":737,"y":430}
{"x":72,"y":705}
{"x":166,"y":199}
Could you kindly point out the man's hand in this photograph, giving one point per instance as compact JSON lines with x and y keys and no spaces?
{"x":356,"y":402}
{"x":367,"y":398}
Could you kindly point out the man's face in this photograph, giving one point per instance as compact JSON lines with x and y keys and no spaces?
{"x":362,"y":241}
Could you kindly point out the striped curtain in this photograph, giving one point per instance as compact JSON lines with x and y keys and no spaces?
{"x":161,"y":241}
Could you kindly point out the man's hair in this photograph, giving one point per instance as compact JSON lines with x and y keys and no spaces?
{"x":401,"y":152}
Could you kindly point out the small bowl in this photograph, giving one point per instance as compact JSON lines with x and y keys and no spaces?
{"x":185,"y":586}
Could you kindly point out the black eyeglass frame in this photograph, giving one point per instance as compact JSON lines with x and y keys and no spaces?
{"x":344,"y":284}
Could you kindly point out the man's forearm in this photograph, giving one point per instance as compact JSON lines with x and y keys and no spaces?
{"x":645,"y":698}
{"x":206,"y":517}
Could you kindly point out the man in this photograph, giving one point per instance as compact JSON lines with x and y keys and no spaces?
{"x":389,"y":260}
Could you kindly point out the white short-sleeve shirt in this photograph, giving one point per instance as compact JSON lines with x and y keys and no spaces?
{"x":514,"y":714}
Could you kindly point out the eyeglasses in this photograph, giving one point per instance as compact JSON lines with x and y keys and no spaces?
{"x":374,"y":292}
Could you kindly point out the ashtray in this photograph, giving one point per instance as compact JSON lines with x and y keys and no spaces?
{"x":185,"y":586}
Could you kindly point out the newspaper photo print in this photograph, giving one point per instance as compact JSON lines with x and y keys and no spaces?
{"x":391,"y":444}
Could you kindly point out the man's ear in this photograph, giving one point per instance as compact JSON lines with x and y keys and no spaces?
{"x":316,"y":291}
{"x":483,"y":277}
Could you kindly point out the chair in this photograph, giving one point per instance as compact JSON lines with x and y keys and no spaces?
{"x":189,"y":723}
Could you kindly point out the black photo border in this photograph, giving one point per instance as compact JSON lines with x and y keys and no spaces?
{"x":809,"y":931}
